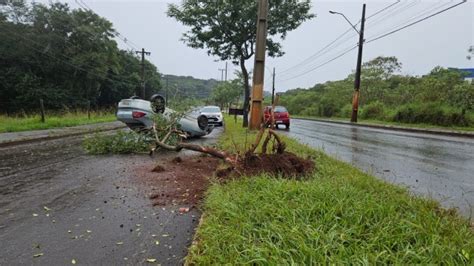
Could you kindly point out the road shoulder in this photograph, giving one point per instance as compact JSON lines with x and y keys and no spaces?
{"x":14,"y":138}
{"x":434,"y":131}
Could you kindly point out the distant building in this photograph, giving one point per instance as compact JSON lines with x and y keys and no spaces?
{"x":469,"y":73}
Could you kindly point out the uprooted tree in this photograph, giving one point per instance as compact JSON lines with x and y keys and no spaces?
{"x":274,"y":159}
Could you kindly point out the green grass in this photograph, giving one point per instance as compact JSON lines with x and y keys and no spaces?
{"x":33,"y":122}
{"x":390,"y":123}
{"x":339,"y":215}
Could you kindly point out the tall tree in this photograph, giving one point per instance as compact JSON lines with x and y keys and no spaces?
{"x":227,"y":29}
{"x":226,"y":93}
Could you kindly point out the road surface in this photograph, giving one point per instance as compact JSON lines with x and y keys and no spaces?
{"x":439,"y":167}
{"x":58,"y":204}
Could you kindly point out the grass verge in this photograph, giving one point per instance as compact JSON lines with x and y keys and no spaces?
{"x":339,"y":215}
{"x":389,"y":123}
{"x":33,"y":122}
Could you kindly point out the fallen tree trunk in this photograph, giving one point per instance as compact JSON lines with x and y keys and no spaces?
{"x":183,"y":145}
{"x":279,"y":147}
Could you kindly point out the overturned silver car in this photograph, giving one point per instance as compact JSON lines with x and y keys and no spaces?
{"x":138,"y":114}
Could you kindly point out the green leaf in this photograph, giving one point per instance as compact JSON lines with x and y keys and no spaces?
{"x":465,"y":254}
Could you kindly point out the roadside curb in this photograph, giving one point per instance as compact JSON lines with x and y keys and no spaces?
{"x":398,"y":128}
{"x":58,"y":136}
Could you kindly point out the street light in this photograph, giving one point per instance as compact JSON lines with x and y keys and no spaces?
{"x":334,"y":12}
{"x":355,"y":97}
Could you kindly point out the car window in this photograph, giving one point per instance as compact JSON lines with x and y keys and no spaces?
{"x":280,"y":109}
{"x":211,"y":109}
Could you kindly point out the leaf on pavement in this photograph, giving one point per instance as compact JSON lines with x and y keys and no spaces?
{"x":35,"y":214}
{"x":38,"y":255}
{"x":151,"y":260}
{"x":119,"y":243}
{"x":73,"y":261}
{"x":46,"y":208}
{"x":157,"y":242}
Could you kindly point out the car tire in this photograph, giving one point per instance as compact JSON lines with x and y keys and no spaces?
{"x":287,"y":126}
{"x":221,"y":124}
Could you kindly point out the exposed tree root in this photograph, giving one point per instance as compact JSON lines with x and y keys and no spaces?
{"x":278,"y":161}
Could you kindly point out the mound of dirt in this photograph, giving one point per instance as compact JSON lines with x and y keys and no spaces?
{"x":286,"y":164}
{"x":182,"y":183}
{"x":185,"y":182}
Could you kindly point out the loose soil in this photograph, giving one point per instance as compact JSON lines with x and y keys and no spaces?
{"x":178,"y":181}
{"x":183,"y":181}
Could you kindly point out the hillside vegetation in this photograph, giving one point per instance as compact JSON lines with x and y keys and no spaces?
{"x":67,"y":57}
{"x":441,"y":97}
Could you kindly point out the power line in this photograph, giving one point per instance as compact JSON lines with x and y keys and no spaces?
{"x":323,"y":64}
{"x":428,"y":11}
{"x":377,"y":38}
{"x":328,"y":47}
{"x":394,"y":12}
{"x":416,"y":22}
{"x":120,"y":36}
{"x":315,"y":55}
{"x":382,"y":10}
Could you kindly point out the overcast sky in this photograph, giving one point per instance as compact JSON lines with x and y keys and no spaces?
{"x":442,"y":40}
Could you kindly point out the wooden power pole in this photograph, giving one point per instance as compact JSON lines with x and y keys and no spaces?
{"x":256,"y":108}
{"x":143,"y":52}
{"x":355,"y":98}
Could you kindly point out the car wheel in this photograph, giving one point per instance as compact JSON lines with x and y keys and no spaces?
{"x":287,"y":126}
{"x":221,"y":124}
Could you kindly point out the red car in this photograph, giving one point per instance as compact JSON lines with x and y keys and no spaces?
{"x":282,"y":117}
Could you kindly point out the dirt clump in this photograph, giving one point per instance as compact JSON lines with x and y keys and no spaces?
{"x":287,"y":165}
{"x":177,"y":159}
{"x":158,"y":169}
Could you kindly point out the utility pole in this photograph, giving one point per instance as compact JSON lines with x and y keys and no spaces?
{"x":355,"y":98}
{"x":143,"y":52}
{"x":273,"y":86}
{"x":222,"y":70}
{"x":225,"y":71}
{"x":256,"y":110}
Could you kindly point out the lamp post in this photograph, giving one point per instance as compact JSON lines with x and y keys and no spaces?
{"x":355,"y":97}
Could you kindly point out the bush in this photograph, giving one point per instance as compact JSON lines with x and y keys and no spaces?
{"x":374,"y":110}
{"x":346,"y":110}
{"x":431,"y":113}
{"x":310,"y":111}
{"x":123,"y":142}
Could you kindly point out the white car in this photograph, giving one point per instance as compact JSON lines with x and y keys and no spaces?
{"x":213,"y":114}
{"x":138,"y":114}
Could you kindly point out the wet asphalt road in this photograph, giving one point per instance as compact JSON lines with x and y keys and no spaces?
{"x":439,"y":167}
{"x":61,"y":205}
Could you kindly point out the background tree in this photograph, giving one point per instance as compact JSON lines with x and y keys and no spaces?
{"x":375,"y":73}
{"x":68,"y":57}
{"x":227,"y":29}
{"x":441,"y":97}
{"x":227,"y":93}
